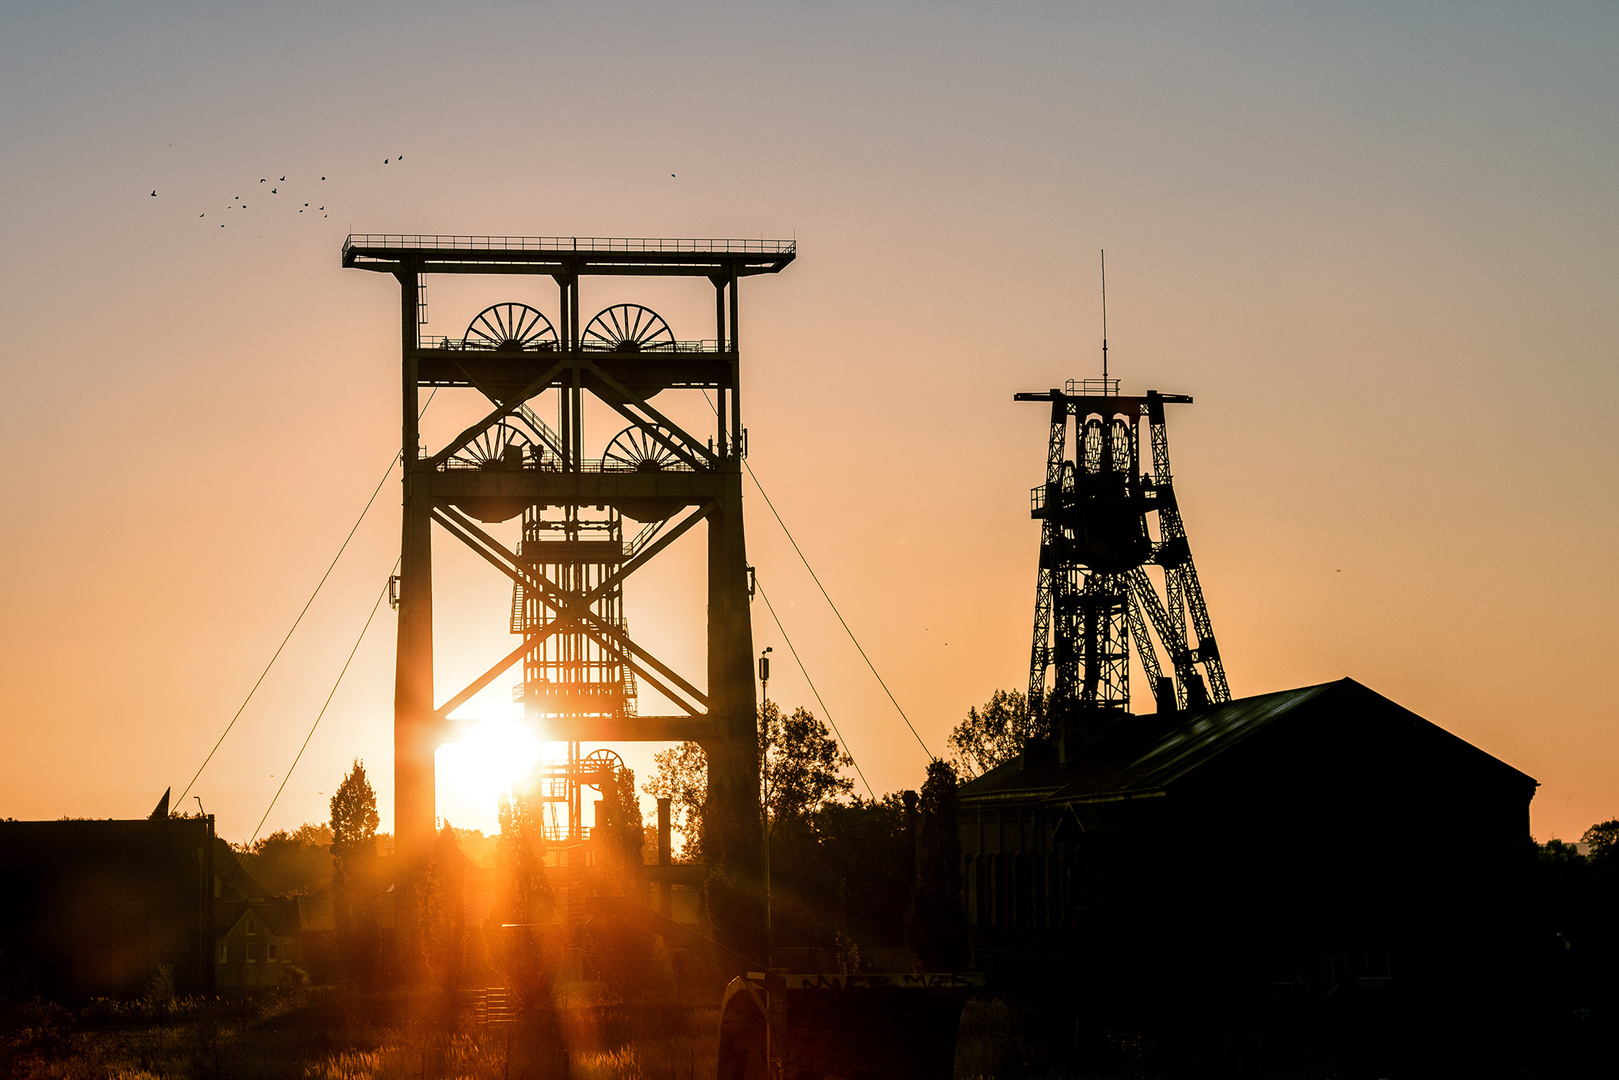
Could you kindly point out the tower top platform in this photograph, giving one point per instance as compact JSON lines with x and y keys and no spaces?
{"x":565,"y":255}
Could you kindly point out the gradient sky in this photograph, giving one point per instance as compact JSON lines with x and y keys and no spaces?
{"x":1378,"y":243}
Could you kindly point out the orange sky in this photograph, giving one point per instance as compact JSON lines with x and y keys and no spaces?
{"x":1378,"y":248}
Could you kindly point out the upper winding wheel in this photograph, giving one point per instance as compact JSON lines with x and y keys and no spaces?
{"x":633,"y":347}
{"x":627,"y":328}
{"x":511,"y":327}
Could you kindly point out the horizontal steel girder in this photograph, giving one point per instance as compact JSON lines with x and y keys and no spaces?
{"x":628,"y":728}
{"x":451,"y":367}
{"x":575,"y":488}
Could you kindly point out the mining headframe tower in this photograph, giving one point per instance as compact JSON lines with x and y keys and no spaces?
{"x":1097,"y":509}
{"x":581,"y":667}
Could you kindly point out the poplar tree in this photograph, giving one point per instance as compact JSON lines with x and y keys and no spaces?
{"x":354,"y":867}
{"x":442,"y":911}
{"x":525,"y":900}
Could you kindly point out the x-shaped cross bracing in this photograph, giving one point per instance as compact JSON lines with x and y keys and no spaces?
{"x":573,"y":609}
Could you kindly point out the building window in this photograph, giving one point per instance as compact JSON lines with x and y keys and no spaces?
{"x":273,"y":952}
{"x":223,"y":951}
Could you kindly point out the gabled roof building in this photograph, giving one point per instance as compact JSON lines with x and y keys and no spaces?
{"x":1259,"y":841}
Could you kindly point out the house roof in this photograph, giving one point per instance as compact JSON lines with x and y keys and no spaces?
{"x":237,"y":883}
{"x":316,"y":912}
{"x":1144,"y":756}
{"x":284,"y":916}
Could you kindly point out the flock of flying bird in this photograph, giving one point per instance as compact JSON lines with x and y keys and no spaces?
{"x":238,"y":204}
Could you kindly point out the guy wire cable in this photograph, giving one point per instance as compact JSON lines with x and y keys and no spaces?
{"x":824,"y":710}
{"x":754,"y":477}
{"x":374,"y":608}
{"x":838,"y":613}
{"x":318,"y":585}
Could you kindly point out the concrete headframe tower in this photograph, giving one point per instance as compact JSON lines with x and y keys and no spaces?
{"x":581,"y":667}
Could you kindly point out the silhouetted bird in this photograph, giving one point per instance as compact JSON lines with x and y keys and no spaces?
{"x":261,"y":179}
{"x":203,"y":214}
{"x":283,"y":179}
{"x":323,"y":178}
{"x":671,"y":176}
{"x":385,"y":161}
{"x":272,"y":191}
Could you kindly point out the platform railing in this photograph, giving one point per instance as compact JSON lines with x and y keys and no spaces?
{"x":452,"y":344}
{"x":587,"y":244}
{"x":551,"y":464}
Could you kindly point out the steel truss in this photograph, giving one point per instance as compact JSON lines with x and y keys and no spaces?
{"x":1104,"y":522}
{"x":582,"y":669}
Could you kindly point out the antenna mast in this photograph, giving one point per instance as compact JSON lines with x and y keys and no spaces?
{"x":1104,"y":313}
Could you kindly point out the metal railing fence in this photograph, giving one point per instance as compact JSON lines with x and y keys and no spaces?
{"x":586,"y":244}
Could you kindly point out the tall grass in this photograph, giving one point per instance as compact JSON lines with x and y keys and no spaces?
{"x":351,"y":1038}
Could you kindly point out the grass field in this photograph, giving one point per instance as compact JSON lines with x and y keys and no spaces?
{"x":346,"y":1037}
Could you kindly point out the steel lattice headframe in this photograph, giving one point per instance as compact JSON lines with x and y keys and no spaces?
{"x":1104,"y":522}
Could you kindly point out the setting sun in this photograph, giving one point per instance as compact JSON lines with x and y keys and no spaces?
{"x":491,"y":757}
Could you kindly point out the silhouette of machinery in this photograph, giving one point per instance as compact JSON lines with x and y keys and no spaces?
{"x":1106,"y":516}
{"x":581,"y":668}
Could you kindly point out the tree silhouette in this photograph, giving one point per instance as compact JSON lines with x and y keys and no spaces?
{"x":354,"y":878}
{"x":1603,"y":840}
{"x":291,"y":863}
{"x":936,"y":926}
{"x":801,"y":762}
{"x":525,"y":900}
{"x":995,"y":734}
{"x":682,"y":778}
{"x":621,"y":831}
{"x":442,"y":911}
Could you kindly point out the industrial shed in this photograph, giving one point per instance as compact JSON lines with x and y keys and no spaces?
{"x":93,"y":908}
{"x":1309,"y":837}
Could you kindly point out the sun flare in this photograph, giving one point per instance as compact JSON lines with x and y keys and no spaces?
{"x":489,"y":760}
